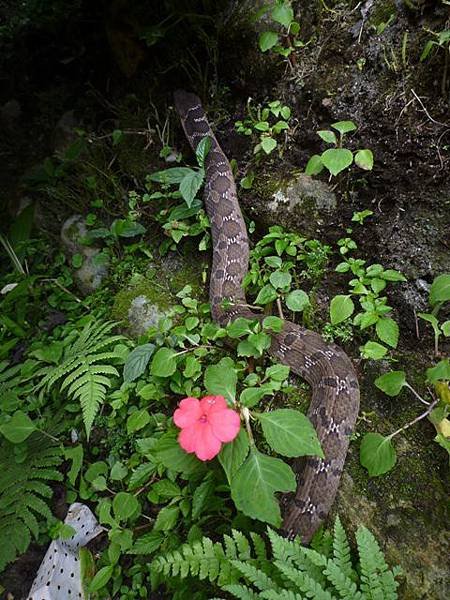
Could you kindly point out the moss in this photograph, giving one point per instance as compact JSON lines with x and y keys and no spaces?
{"x":150,"y":289}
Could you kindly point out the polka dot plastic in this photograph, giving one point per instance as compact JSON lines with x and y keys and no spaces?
{"x":59,"y":576}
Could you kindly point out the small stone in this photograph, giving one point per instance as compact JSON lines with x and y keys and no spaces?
{"x":142,"y":315}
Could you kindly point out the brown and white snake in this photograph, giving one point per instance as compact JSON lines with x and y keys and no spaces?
{"x":329,"y":371}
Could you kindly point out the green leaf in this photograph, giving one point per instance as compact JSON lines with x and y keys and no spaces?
{"x":327,"y":136}
{"x":440,"y":289}
{"x":391,"y":383}
{"x":239,"y":327}
{"x":126,"y":228}
{"x":18,"y":428}
{"x":125,"y":505}
{"x":118,"y":471}
{"x":261,"y":341}
{"x":373,"y":350}
{"x":77,"y":260}
{"x":233,"y":454}
{"x":168,"y":451}
{"x":164,"y":363}
{"x":189,"y":186}
{"x":252,"y":395}
{"x":246,"y":182}
{"x":341,"y":307}
{"x":283,"y":14}
{"x":280,"y":280}
{"x":117,"y":135}
{"x":202,"y":150}
{"x":290,"y":433}
{"x":262,"y":126}
{"x":439,"y":372}
{"x":220,"y":380}
{"x":314,"y":165}
{"x":377,"y":454}
{"x":364,"y":159}
{"x":75,"y":454}
{"x":392,"y":275}
{"x":337,"y":159}
{"x":137,"y":362}
{"x":266,"y":294}
{"x":101,"y":578}
{"x":267,"y":40}
{"x":278,"y":372}
{"x":137,"y":420}
{"x":267,"y":475}
{"x":272,"y":323}
{"x":344,"y":126}
{"x":445,"y":327}
{"x":172,"y":176}
{"x":387,"y":331}
{"x":268,"y":144}
{"x":297,"y":300}
{"x":167,"y":518}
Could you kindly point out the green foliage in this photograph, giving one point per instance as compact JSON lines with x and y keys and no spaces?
{"x":289,"y":571}
{"x":25,"y":492}
{"x":283,"y":39}
{"x":85,"y":374}
{"x":439,"y":295}
{"x":338,"y":159}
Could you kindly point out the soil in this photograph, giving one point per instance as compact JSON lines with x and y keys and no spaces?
{"x":94,"y":62}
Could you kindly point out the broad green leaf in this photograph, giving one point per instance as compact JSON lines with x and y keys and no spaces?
{"x":137,"y":420}
{"x":125,"y":505}
{"x":272,"y":323}
{"x":392,"y":275}
{"x":290,"y":433}
{"x":118,"y":471}
{"x":164,"y":363}
{"x":101,"y":578}
{"x":167,"y":489}
{"x":341,"y":307}
{"x":167,"y":518}
{"x":364,"y":159}
{"x":297,"y":300}
{"x":387,"y":331}
{"x":327,"y":136}
{"x":337,"y":159}
{"x":261,"y":341}
{"x":283,"y":14}
{"x":268,"y":144}
{"x":314,"y":166}
{"x":441,"y":371}
{"x":278,"y":372}
{"x":266,"y":294}
{"x":440,"y":289}
{"x":202,"y":150}
{"x":252,"y":395}
{"x":391,"y":383}
{"x":262,"y":126}
{"x":126,"y":228}
{"x":190,"y":185}
{"x":233,"y":454}
{"x":377,"y":454}
{"x":148,"y":543}
{"x":344,"y":126}
{"x":137,"y":361}
{"x":220,"y":380}
{"x":239,"y":327}
{"x":267,"y":40}
{"x":279,"y":279}
{"x":18,"y":428}
{"x":373,"y":350}
{"x":255,"y":483}
{"x":445,"y":327}
{"x":172,"y":176}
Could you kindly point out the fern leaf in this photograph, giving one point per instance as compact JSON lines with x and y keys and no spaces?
{"x":344,"y":585}
{"x":259,"y":546}
{"x":341,"y":550}
{"x":371,"y":562}
{"x":303,"y":582}
{"x":242,"y":544}
{"x":257,"y":577}
{"x":284,"y":595}
{"x":241,"y":591}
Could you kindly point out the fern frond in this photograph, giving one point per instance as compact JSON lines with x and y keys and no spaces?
{"x":343,"y":584}
{"x":259,"y":546}
{"x":303,"y":582}
{"x":257,"y":577}
{"x":284,"y":595}
{"x":241,"y":591}
{"x":372,"y":564}
{"x":341,"y":550}
{"x":24,"y":493}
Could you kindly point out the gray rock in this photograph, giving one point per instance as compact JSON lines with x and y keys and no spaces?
{"x":64,"y":134}
{"x":90,"y":275}
{"x":143,"y":314}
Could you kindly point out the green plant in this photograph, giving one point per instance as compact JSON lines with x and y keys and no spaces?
{"x":337,"y":159}
{"x":26,"y":470}
{"x":439,"y":294}
{"x":260,"y":122}
{"x":285,"y":40}
{"x":377,"y":453}
{"x":439,"y":41}
{"x":367,"y":284}
{"x":290,"y":571}
{"x":83,"y":366}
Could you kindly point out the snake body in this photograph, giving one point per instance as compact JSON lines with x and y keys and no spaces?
{"x":335,"y":391}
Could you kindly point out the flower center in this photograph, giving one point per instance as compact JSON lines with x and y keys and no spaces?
{"x":203,"y":419}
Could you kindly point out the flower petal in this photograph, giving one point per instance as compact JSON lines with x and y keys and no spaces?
{"x":187,"y":438}
{"x":207,"y":445}
{"x":188,"y":413}
{"x":213,"y":403}
{"x":225,"y":424}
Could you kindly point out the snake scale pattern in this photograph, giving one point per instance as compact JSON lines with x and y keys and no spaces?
{"x":330,"y":373}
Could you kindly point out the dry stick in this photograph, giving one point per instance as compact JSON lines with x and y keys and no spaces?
{"x":426,"y":112}
{"x":406,"y":384}
{"x":419,"y":418}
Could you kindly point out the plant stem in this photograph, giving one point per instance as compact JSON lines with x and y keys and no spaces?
{"x":419,"y":418}
{"x":280,"y":309}
{"x":406,"y":384}
{"x":246,"y":414}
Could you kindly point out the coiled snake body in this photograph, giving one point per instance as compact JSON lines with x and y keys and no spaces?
{"x":329,"y":371}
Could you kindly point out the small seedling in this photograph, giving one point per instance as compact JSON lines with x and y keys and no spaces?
{"x":260,"y":121}
{"x":285,"y":40}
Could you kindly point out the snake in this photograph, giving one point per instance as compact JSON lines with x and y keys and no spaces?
{"x":334,"y":404}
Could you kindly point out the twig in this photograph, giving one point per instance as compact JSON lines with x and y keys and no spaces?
{"x":406,"y":384}
{"x":419,"y":418}
{"x":280,"y":309}
{"x":426,"y":112}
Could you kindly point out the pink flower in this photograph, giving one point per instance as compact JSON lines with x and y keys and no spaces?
{"x":205,"y":424}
